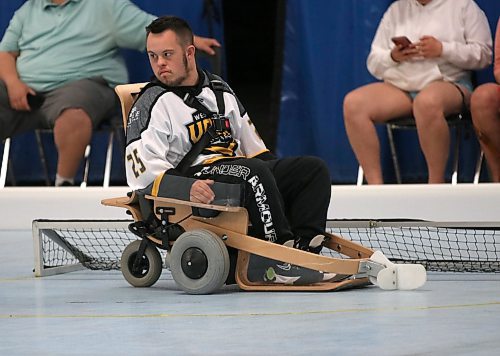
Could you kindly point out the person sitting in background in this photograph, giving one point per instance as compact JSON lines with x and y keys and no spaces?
{"x":428,"y":76}
{"x":59,"y":60}
{"x":485,"y":109}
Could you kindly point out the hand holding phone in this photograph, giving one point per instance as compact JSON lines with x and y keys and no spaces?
{"x":35,"y":101}
{"x":405,"y":50}
{"x":402,"y":41}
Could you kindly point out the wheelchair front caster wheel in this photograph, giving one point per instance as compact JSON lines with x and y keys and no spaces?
{"x":149,"y":269}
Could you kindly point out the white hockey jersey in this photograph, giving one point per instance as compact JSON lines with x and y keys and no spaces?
{"x":161,"y":130}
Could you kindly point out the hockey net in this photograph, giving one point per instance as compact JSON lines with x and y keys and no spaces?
{"x":62,"y":246}
{"x":445,"y":247}
{"x":65,"y":246}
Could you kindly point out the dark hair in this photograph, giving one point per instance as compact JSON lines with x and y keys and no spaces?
{"x":180,"y":27}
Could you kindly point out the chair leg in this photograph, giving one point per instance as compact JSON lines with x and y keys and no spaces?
{"x":43,"y":157}
{"x":86,"y":157}
{"x":361,"y":174}
{"x":479,"y":164}
{"x":394,"y":155}
{"x":456,"y":153}
{"x":109,"y":159}
{"x":5,"y":162}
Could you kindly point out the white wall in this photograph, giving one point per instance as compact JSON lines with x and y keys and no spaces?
{"x":463,"y":202}
{"x":435,"y":202}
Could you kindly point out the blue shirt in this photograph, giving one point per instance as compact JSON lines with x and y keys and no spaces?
{"x":75,"y":40}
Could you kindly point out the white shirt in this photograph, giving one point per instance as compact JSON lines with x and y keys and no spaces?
{"x":460,"y":25}
{"x":161,"y":130}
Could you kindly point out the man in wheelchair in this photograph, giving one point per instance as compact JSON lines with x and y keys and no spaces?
{"x":189,"y":123}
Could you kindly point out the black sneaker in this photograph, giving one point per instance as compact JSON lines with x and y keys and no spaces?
{"x":314,"y":245}
{"x":286,"y":273}
{"x":270,"y":271}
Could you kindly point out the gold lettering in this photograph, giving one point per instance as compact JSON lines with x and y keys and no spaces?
{"x":195,"y":131}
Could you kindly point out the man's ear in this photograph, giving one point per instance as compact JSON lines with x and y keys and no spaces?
{"x":190,"y":51}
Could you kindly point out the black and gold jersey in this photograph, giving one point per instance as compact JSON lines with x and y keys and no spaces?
{"x":162,"y":128}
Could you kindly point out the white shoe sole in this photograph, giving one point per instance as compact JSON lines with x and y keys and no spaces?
{"x":398,"y":276}
{"x":402,"y":277}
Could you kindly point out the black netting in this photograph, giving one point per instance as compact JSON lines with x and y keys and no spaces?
{"x":463,"y":249}
{"x":94,"y":248}
{"x":446,"y":249}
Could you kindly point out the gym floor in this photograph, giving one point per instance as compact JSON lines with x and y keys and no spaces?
{"x":97,"y":312}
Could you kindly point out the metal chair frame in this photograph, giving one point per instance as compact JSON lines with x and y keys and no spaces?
{"x":457,"y":121}
{"x":114,"y":130}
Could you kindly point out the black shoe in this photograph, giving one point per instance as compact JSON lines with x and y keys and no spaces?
{"x":314,"y":245}
{"x":286,"y":273}
{"x":270,"y":271}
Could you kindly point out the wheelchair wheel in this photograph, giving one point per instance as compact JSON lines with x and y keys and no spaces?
{"x":199,"y":262}
{"x":150,"y":267}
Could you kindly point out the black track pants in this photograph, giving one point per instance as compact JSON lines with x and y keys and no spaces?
{"x":284,"y":198}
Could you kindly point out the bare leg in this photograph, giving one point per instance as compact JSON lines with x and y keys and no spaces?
{"x":430,"y":107}
{"x":72,"y":133}
{"x":485,"y":108}
{"x":365,"y":106}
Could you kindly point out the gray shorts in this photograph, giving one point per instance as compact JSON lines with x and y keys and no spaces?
{"x":92,"y":95}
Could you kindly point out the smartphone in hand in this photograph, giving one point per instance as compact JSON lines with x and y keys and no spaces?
{"x":35,"y":101}
{"x":403,"y":41}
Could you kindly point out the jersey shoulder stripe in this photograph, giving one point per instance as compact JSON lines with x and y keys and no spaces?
{"x":140,"y":114}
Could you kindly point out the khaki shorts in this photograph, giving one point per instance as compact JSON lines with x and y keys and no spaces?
{"x":92,"y":95}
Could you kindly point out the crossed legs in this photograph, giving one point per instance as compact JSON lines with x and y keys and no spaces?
{"x":381,"y":102}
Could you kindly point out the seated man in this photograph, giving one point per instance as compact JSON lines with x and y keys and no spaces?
{"x":59,"y":60}
{"x":485,"y":109}
{"x":427,"y":76}
{"x":287,"y":199}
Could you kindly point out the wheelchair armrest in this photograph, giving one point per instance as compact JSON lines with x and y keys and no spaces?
{"x":178,"y":188}
{"x":196,"y":205}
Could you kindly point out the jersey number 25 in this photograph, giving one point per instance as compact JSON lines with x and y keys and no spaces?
{"x":137,"y":165}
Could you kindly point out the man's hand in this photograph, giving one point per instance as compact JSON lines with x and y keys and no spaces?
{"x":429,"y":47}
{"x":205,"y":44}
{"x":18,"y":95}
{"x":201,"y":192}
